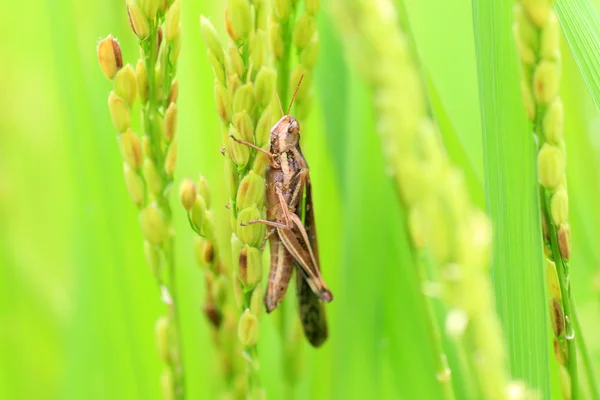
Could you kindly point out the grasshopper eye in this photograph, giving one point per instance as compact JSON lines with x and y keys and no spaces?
{"x":294,"y":127}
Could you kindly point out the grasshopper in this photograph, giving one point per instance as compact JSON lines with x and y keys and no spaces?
{"x":293,"y":236}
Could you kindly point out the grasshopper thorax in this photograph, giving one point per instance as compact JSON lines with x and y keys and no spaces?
{"x":285,"y":134}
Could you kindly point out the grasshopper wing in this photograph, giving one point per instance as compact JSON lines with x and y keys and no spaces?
{"x":309,"y":221}
{"x":297,"y":242}
{"x":312,"y":310}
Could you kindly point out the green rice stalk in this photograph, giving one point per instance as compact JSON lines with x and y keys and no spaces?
{"x":244,"y":91}
{"x":219,"y":305}
{"x":305,"y":38}
{"x":450,"y":236}
{"x":290,"y":29}
{"x":149,"y":162}
{"x":281,"y":28}
{"x":537,"y":35}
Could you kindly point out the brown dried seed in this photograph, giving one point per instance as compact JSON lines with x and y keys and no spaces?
{"x":564,"y":241}
{"x":160,"y":37}
{"x":558,"y":321}
{"x":243,"y":265}
{"x":208,"y":252}
{"x":214,"y":315}
{"x":118,"y":56}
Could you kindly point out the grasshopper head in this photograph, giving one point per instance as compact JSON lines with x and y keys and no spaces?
{"x":285,"y":134}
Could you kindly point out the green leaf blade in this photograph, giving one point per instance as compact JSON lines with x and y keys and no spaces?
{"x":511,"y":196}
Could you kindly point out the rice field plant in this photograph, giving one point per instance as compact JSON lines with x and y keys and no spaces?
{"x":454,"y":181}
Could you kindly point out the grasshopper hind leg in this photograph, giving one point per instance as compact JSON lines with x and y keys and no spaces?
{"x":280,"y":273}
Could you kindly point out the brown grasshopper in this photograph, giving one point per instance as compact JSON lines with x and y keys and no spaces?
{"x":292,"y":240}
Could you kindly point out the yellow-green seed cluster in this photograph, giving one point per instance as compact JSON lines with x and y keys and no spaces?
{"x":444,"y":226}
{"x":197,"y":203}
{"x":287,"y":32}
{"x":149,"y":161}
{"x":306,"y":42}
{"x":537,"y":34}
{"x":244,"y":89}
{"x":164,"y":339}
{"x":218,"y":307}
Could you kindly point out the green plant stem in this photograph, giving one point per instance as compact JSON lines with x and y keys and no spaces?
{"x":253,"y":378}
{"x":252,"y":359}
{"x":151,"y":111}
{"x":174,"y":314}
{"x":472,"y":386}
{"x":422,"y":263}
{"x":475,"y":385}
{"x":251,"y":355}
{"x":167,"y":75}
{"x":585,"y":356}
{"x":283,"y":70}
{"x":562,"y":269}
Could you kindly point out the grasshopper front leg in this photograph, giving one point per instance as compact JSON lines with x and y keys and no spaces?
{"x":285,"y":211}
{"x":267,"y":236}
{"x":266,"y":222}
{"x":272,"y":161}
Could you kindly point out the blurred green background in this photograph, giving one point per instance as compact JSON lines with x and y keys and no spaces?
{"x":77,"y":302}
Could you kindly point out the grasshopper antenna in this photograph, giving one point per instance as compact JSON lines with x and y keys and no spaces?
{"x":279,"y":101}
{"x":294,"y":97}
